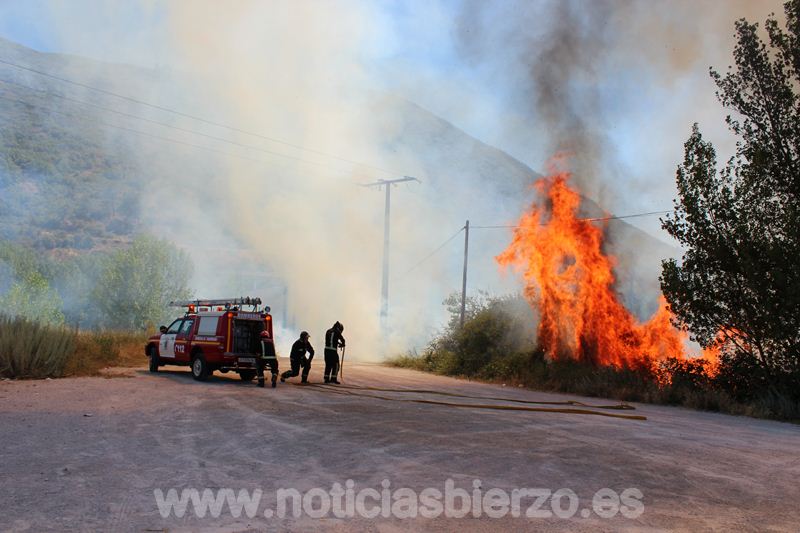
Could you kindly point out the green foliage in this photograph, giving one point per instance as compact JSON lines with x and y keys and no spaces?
{"x":493,"y":328}
{"x":27,"y":292}
{"x":137,"y":283}
{"x":20,"y":259}
{"x":125,"y":289}
{"x":32,"y":298}
{"x":740,"y":226}
{"x":31,"y":349}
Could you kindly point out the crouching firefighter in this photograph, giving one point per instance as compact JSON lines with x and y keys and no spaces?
{"x":298,"y":358}
{"x":267,"y":357}
{"x":333,"y":341}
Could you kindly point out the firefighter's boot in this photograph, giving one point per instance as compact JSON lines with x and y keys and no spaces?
{"x":274,"y":380}
{"x":261,"y":382}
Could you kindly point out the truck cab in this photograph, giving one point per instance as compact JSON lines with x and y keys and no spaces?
{"x":212,"y":335}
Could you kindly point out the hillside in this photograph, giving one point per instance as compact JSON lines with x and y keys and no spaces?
{"x":64,"y":185}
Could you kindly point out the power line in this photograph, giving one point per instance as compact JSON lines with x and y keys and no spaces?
{"x":418,"y":263}
{"x":438,"y":248}
{"x":178,"y":128}
{"x":597,"y":219}
{"x":198,"y":119}
{"x":142,"y":133}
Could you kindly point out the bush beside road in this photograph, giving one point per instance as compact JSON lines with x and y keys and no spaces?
{"x":30,"y":349}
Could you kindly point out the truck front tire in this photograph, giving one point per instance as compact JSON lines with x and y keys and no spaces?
{"x":247,"y":375}
{"x":199,"y":368}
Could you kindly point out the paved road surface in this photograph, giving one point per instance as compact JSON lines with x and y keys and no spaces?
{"x":61,"y":469}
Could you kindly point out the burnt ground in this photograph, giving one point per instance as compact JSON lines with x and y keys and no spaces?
{"x":87,"y":453}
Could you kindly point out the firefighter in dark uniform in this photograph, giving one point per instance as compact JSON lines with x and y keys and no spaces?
{"x":333,"y":341}
{"x":267,"y":357}
{"x":298,"y":358}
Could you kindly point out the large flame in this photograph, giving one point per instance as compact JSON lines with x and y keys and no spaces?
{"x":570,"y":282}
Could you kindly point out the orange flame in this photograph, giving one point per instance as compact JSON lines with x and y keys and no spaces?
{"x":570,"y":281}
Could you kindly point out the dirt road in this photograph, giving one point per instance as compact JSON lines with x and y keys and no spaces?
{"x":88,"y":453}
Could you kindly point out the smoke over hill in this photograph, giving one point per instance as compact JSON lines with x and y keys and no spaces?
{"x":264,"y":216}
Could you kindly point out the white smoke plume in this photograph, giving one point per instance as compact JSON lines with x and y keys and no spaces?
{"x":344,"y":78}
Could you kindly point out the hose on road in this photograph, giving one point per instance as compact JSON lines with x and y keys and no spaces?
{"x":567,"y":410}
{"x":620,"y":406}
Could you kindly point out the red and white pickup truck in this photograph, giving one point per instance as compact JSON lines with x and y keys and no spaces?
{"x":212,"y":335}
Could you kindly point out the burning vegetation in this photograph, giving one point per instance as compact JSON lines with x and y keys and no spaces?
{"x":569,"y":281}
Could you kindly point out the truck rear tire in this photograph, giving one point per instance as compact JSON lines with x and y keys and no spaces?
{"x":199,"y":368}
{"x":154,"y":361}
{"x":247,"y":375}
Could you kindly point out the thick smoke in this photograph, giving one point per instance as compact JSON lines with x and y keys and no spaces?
{"x":533,"y":78}
{"x":575,"y":72}
{"x":297,"y":72}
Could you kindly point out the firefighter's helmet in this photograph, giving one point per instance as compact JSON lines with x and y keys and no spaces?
{"x":304,"y":335}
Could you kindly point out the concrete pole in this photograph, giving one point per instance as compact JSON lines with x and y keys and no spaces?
{"x":464,"y":278}
{"x":384,"y":314}
{"x":284,"y":319}
{"x":385,"y":276}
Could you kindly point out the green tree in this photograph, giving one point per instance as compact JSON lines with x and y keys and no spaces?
{"x":740,"y":226}
{"x":137,"y":284}
{"x":32,"y":297}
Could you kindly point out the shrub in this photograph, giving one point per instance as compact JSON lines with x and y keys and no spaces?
{"x":33,"y":350}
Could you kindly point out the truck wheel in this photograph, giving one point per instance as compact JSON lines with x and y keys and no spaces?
{"x":247,"y":375}
{"x":199,"y":368}
{"x":153,"y":359}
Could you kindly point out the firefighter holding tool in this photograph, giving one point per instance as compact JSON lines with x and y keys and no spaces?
{"x":267,"y":357}
{"x":333,"y":341}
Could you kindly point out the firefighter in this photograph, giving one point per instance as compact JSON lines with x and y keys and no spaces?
{"x":333,"y":341}
{"x":298,"y":358}
{"x":267,"y":357}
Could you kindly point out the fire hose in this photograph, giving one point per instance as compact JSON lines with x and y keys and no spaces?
{"x":567,"y":410}
{"x":620,"y":406}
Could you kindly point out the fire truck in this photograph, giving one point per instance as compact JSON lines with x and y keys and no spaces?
{"x":222,"y":334}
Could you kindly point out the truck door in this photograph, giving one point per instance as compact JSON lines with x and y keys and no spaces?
{"x":182,"y":340}
{"x":166,"y":345}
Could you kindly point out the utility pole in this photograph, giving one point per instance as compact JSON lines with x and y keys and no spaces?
{"x":387,"y":211}
{"x":464,"y":278}
{"x":285,"y":305}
